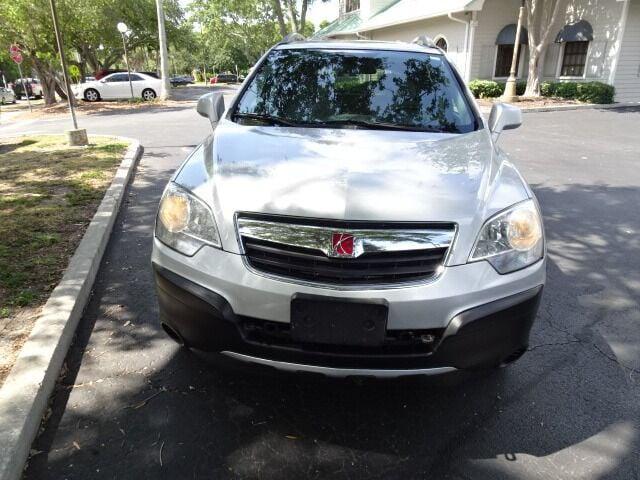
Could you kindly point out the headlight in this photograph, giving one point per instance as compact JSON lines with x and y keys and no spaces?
{"x":185,"y":223}
{"x":511,"y":240}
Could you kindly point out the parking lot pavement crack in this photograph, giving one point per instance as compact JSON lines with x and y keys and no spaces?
{"x":614,"y":359}
{"x":553,"y":344}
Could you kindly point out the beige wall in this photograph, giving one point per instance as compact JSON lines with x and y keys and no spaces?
{"x":442,"y":26}
{"x":627,"y":79}
{"x":605,"y":17}
{"x":495,"y":15}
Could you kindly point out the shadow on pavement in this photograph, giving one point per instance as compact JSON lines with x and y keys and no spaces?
{"x":565,"y":410}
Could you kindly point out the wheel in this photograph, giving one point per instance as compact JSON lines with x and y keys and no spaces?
{"x":91,"y":95}
{"x":2,"y":101}
{"x":148,"y":94}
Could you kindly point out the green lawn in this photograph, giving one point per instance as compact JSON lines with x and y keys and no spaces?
{"x":48,"y":194}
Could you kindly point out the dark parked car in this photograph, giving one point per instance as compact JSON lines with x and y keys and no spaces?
{"x":181,"y":80}
{"x":33,"y":86}
{"x":224,"y":78}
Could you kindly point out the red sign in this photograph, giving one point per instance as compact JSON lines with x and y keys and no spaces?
{"x":16,"y":53}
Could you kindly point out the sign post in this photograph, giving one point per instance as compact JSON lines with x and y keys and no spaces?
{"x":16,"y":56}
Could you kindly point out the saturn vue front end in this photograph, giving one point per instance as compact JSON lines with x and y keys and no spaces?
{"x":351,"y":215}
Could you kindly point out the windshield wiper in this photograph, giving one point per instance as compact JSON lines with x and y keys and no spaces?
{"x":378,"y":125}
{"x":283,"y":122}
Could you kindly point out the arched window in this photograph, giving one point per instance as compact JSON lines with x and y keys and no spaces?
{"x":441,"y":43}
{"x":504,"y":54}
{"x":575,"y":38}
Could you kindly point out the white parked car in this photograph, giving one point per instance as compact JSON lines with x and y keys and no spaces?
{"x":7,"y":96}
{"x":116,"y":86}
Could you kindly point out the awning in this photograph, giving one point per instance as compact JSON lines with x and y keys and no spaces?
{"x":507,"y":35}
{"x":581,"y":31}
{"x":347,"y":24}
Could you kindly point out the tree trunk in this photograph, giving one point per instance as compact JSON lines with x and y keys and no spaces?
{"x":277,"y":6}
{"x":533,"y":78}
{"x":303,"y":14}
{"x":294,"y":15}
{"x":47,"y":79}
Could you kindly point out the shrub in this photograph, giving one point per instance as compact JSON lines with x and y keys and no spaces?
{"x":491,"y":89}
{"x":596,"y":92}
{"x":590,"y":92}
{"x":548,"y":89}
{"x":486,"y":88}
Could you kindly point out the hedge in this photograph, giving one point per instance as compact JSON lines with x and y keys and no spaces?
{"x":589,"y":92}
{"x":491,"y":89}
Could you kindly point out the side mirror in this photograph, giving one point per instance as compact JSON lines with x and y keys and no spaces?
{"x":211,"y":106}
{"x":504,"y":117}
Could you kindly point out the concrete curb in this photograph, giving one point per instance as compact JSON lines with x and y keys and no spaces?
{"x":562,"y":108}
{"x":25,"y":393}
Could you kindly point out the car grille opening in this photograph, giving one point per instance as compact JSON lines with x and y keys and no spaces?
{"x":370,"y":268}
{"x":397,"y":342}
{"x":282,"y":247}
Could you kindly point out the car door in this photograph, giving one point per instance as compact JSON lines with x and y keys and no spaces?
{"x":138,"y":83}
{"x":115,"y":85}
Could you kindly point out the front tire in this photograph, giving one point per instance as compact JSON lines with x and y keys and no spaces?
{"x":148,"y":95}
{"x":91,"y":95}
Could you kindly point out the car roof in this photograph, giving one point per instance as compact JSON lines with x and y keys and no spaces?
{"x":358,"y":45}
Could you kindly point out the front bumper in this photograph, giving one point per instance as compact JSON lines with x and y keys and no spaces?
{"x":483,"y":335}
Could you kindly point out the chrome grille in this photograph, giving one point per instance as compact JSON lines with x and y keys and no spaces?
{"x":384,"y":253}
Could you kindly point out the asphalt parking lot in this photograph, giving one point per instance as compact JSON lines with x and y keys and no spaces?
{"x":131,"y":404}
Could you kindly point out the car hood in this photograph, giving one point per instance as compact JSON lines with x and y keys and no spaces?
{"x":353,"y":174}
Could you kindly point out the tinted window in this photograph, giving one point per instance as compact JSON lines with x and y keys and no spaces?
{"x":403,"y":89}
{"x":117,"y":77}
{"x":135,"y":78}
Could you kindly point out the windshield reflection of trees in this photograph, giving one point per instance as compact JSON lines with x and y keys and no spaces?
{"x":392,"y":87}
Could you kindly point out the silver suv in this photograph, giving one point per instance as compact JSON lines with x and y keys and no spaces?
{"x":351,"y":215}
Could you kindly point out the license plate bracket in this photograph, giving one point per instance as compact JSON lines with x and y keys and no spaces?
{"x":338,"y":321}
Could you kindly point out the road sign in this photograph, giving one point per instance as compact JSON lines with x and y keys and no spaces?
{"x":16,"y":53}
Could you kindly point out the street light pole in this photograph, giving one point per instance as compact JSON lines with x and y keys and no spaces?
{"x":122,"y":28}
{"x":165,"y":86}
{"x":76,"y":136}
{"x":510,"y":88}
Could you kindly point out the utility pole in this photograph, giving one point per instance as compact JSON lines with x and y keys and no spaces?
{"x":165,"y":86}
{"x":76,"y":136}
{"x":510,"y":88}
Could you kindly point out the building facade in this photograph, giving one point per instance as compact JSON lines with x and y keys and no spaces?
{"x":594,"y":40}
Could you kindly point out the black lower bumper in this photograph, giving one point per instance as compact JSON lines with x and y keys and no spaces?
{"x":484,"y":336}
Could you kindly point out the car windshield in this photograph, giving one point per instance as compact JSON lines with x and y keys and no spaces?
{"x":356,"y":89}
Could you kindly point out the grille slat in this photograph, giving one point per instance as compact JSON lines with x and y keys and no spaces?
{"x":309,"y":264}
{"x":387,"y":257}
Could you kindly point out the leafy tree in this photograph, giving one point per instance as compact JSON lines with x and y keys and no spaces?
{"x":89,"y":29}
{"x":288,"y":16}
{"x":233,"y":32}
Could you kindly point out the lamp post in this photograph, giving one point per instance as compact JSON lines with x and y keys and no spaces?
{"x":510,"y":88}
{"x":76,"y":136}
{"x":123,"y":29}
